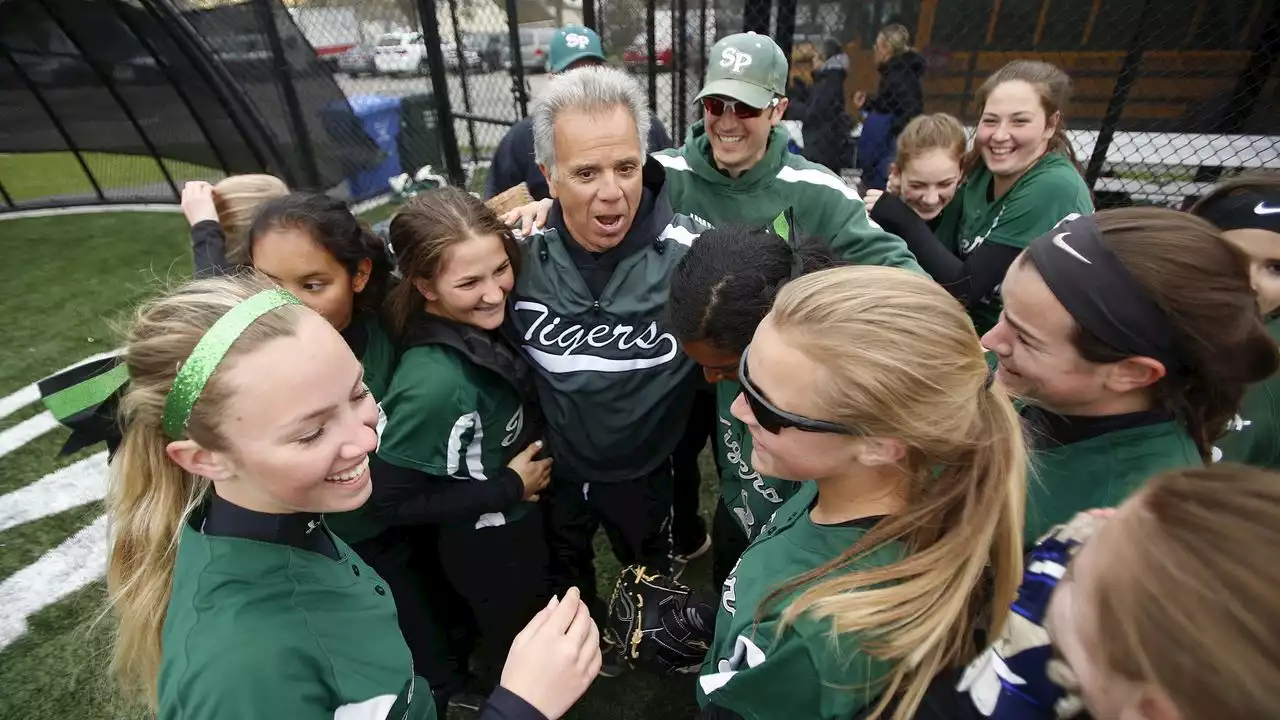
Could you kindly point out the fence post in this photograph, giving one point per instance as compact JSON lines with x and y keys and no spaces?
{"x":462,"y":77}
{"x":1120,"y":94}
{"x":440,"y":88}
{"x":284,"y":76}
{"x":650,"y":46}
{"x":517,"y":62}
{"x":755,"y":16}
{"x":589,"y":14}
{"x":702,"y":45}
{"x":681,"y":67}
{"x":785,"y":33}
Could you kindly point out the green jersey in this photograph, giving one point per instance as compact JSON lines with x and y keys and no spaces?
{"x":377,"y":354}
{"x":750,"y":497}
{"x":1253,"y":437}
{"x":826,"y":206}
{"x":1100,"y":472}
{"x":1048,"y":192}
{"x":259,"y":630}
{"x":801,"y":672}
{"x":448,"y":416}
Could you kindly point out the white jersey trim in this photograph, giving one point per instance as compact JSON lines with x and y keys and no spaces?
{"x":744,"y":649}
{"x":680,"y":234}
{"x":453,"y":453}
{"x":373,"y":709}
{"x":672,"y":162}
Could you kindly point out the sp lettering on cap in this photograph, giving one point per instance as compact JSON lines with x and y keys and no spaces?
{"x":576,"y":41}
{"x":735,"y":60}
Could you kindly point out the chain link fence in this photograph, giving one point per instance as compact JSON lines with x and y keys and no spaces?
{"x":1168,"y":95}
{"x":126,"y":100}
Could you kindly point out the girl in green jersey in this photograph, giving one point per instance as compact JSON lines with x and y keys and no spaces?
{"x":457,"y":454}
{"x":246,"y":421}
{"x":924,"y":176}
{"x":1133,"y":333}
{"x":1247,"y":211}
{"x":720,"y":291}
{"x":870,"y":580}
{"x":1020,"y":179}
{"x":316,"y":249}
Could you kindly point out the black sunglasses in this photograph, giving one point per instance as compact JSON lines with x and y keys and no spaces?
{"x":717,"y":107}
{"x":774,"y":420}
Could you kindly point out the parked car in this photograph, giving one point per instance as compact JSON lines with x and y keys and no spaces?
{"x":636,"y":56}
{"x":403,"y":53}
{"x":358,"y":61}
{"x":470,"y":57}
{"x":535,"y":44}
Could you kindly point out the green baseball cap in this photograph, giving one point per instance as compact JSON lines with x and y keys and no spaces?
{"x":571,"y":44}
{"x":746,"y":67}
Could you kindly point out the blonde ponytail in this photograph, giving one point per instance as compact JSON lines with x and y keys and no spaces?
{"x":150,"y":497}
{"x":904,"y":361}
{"x":147,"y":503}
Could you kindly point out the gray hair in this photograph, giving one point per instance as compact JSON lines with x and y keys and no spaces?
{"x":593,"y":89}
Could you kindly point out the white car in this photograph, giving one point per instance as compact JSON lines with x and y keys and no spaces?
{"x":400,"y":53}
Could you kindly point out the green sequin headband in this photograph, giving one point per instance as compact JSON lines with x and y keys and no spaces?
{"x":208,"y":353}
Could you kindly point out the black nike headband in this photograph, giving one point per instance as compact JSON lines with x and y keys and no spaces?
{"x":1080,"y":269}
{"x":1244,"y":210}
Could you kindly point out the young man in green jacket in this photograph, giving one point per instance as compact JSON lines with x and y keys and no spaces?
{"x":735,"y":167}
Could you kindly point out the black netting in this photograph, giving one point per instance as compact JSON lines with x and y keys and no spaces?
{"x":125,"y":101}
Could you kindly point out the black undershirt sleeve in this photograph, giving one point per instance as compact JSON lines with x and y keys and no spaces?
{"x":402,"y":496}
{"x":208,"y":249}
{"x":506,"y":705}
{"x":968,"y":280}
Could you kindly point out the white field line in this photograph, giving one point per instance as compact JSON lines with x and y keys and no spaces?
{"x":78,"y":561}
{"x":89,"y":210}
{"x":81,"y":482}
{"x":26,"y":431}
{"x":63,"y":570}
{"x":14,"y":402}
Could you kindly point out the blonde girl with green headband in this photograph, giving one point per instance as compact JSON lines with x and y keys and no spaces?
{"x":246,"y":419}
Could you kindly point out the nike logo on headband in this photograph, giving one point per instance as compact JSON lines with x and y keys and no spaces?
{"x":1059,"y":242}
{"x":1262,"y":209}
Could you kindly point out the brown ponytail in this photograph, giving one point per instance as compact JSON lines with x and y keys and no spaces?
{"x":1202,"y":283}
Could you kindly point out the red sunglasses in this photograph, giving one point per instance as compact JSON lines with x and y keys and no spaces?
{"x":717,"y":107}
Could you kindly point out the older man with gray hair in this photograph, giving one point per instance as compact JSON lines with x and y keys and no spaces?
{"x":588,"y":311}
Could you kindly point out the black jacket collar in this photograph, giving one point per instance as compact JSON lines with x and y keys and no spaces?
{"x":1050,"y":430}
{"x":490,"y":350}
{"x":304,"y":531}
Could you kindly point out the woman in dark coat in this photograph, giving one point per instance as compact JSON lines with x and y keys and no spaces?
{"x":899,"y":99}
{"x":828,"y":127}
